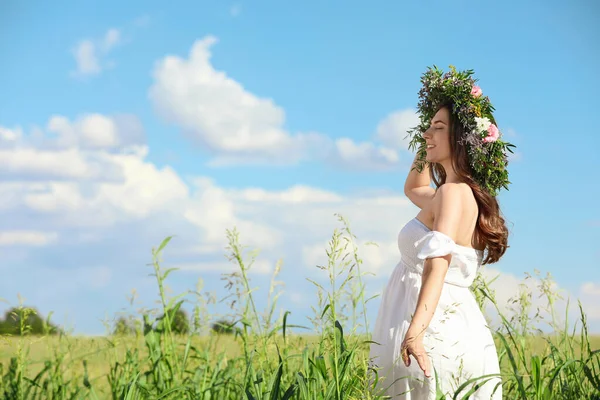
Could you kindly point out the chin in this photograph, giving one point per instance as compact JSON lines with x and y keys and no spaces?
{"x":435,"y":158}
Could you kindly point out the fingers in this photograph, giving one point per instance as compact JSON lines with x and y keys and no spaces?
{"x":421,"y":358}
{"x":419,"y":355}
{"x":423,"y":361}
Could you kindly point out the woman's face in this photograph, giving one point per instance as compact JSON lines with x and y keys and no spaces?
{"x":437,"y":137}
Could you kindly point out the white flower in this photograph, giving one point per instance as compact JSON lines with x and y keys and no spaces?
{"x":482,"y":124}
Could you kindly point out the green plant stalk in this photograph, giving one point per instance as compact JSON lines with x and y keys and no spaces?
{"x":166,"y":309}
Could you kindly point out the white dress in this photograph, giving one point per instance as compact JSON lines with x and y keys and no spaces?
{"x":458,"y":342}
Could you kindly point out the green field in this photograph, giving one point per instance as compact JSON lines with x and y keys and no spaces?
{"x":260,"y":357}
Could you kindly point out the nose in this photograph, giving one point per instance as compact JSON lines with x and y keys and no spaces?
{"x":426,"y":134}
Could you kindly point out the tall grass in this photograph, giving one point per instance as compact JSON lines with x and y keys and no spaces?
{"x":267,"y":357}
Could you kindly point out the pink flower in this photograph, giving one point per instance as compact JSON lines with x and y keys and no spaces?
{"x":476,"y":91}
{"x":493,"y":134}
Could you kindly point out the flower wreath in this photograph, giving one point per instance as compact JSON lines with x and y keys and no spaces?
{"x":486,"y":148}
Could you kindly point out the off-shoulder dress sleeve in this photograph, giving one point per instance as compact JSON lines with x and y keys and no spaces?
{"x":434,"y":244}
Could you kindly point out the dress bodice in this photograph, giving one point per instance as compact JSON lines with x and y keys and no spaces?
{"x":417,"y":242}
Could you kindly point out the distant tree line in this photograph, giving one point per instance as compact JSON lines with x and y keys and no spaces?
{"x":180,"y":325}
{"x":20,"y":321}
{"x":224,"y":327}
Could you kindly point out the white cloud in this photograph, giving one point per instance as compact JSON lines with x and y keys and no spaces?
{"x":79,"y":150}
{"x":143,"y":190}
{"x":216,"y":109}
{"x":297,"y":298}
{"x":379,"y":258}
{"x":590,"y":289}
{"x":214,"y":210}
{"x":295,"y":194}
{"x":10,"y":135}
{"x":90,"y":54}
{"x":239,"y":127}
{"x":146,"y":189}
{"x":26,"y":238}
{"x":258,"y":267}
{"x":31,"y":163}
{"x":392,"y":131}
{"x":589,"y":294}
{"x":92,"y":130}
{"x":111,"y":39}
{"x":508,"y":287}
{"x":86,"y":58}
{"x":363,"y":155}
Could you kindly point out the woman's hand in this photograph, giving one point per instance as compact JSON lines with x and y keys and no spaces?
{"x":413,"y":345}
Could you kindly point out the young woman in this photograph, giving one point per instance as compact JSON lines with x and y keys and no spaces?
{"x":430,"y":335}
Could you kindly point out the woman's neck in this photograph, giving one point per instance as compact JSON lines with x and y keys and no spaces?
{"x":451,"y":175}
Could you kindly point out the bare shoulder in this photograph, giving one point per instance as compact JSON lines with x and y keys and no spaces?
{"x":453,"y":194}
{"x":451,"y":203}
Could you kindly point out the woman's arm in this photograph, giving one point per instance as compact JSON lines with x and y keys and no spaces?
{"x":447,"y":209}
{"x":417,"y":188}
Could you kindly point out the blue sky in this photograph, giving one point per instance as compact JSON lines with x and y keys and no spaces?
{"x":123,"y":123}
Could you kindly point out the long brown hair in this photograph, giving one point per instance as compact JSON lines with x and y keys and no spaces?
{"x":491,"y":230}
